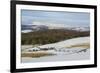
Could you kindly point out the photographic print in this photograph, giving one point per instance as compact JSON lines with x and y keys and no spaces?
{"x":53,"y":35}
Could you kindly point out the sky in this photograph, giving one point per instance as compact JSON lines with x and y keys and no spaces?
{"x":55,"y":17}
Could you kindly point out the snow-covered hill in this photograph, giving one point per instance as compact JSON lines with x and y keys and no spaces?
{"x":63,"y":46}
{"x":61,"y":26}
{"x":67,"y":43}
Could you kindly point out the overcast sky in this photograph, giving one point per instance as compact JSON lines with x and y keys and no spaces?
{"x":66,"y":18}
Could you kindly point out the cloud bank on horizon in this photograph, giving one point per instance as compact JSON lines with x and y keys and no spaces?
{"x":65,"y":18}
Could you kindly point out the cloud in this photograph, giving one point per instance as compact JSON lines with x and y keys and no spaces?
{"x":73,"y":18}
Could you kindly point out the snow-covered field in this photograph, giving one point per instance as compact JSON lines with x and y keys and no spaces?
{"x":72,"y":49}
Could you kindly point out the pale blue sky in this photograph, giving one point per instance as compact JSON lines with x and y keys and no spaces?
{"x":67,"y":18}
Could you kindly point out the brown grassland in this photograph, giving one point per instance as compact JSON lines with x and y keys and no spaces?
{"x":36,"y":54}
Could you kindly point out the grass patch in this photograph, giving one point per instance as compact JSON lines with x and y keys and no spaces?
{"x":36,"y":54}
{"x":83,"y":45}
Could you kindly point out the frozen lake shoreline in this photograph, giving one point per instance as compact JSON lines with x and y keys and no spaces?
{"x":60,"y":57}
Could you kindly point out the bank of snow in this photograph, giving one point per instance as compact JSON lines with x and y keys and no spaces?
{"x":67,"y":43}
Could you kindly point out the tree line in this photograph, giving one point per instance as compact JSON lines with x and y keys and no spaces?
{"x":50,"y":36}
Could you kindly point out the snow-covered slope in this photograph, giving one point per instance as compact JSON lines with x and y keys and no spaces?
{"x":67,"y":43}
{"x":61,"y":26}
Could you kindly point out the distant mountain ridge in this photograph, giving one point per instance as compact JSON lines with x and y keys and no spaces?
{"x":30,"y":28}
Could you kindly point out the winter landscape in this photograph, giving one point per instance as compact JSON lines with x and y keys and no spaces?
{"x":48,"y":36}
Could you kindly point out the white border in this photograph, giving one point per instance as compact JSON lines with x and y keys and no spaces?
{"x":20,"y":65}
